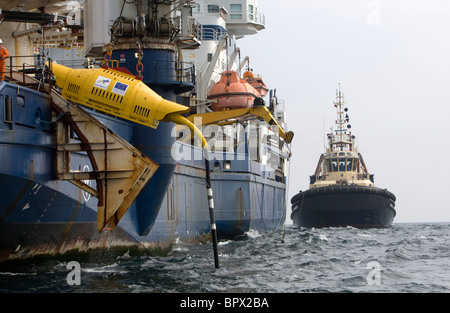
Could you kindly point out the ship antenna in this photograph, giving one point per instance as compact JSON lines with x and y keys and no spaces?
{"x":340,"y":131}
{"x":323,"y":126}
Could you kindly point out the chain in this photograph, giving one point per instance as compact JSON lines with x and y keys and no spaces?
{"x":139,"y":65}
{"x":112,"y":42}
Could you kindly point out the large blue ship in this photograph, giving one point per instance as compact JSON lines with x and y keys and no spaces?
{"x":77,"y":177}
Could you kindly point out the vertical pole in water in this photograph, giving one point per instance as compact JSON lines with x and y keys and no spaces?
{"x":212,"y":221}
{"x":177,"y":118}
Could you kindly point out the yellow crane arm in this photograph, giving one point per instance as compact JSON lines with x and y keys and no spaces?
{"x":226,"y":115}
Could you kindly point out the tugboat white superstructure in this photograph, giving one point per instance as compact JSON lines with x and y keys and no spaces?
{"x":342,"y":191}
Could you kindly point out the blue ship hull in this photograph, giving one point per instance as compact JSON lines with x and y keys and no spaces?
{"x":40,"y":215}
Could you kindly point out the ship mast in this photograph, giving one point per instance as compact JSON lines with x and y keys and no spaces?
{"x":342,"y":140}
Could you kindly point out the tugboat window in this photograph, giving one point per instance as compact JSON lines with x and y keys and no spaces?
{"x":349,"y":164}
{"x":334,"y":165}
{"x":341,"y":165}
{"x":328,"y":165}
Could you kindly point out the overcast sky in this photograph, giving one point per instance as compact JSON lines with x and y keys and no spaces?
{"x":392,"y":59}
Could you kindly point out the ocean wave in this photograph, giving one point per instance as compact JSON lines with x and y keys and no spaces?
{"x":403,"y":258}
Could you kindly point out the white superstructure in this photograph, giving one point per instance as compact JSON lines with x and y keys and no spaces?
{"x":222,"y":23}
{"x":341,"y":164}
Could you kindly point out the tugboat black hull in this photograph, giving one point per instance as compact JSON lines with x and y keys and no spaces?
{"x":340,"y":206}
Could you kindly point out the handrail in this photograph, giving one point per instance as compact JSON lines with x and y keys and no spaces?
{"x":155,"y":72}
{"x":211,"y":33}
{"x":161,"y":71}
{"x":25,"y":67}
{"x":20,"y":74}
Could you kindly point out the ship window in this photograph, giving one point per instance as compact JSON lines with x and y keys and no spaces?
{"x":236,"y":11}
{"x":8,"y":109}
{"x":334,"y":165}
{"x":250,"y":12}
{"x":213,"y":8}
{"x":342,"y":165}
{"x":328,"y":165}
{"x":349,"y":164}
{"x":196,"y":8}
{"x":21,"y":101}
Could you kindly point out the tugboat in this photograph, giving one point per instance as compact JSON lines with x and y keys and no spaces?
{"x":342,"y":192}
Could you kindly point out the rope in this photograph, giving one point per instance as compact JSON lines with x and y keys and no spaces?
{"x":57,"y":118}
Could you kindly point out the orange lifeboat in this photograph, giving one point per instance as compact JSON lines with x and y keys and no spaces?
{"x":256,"y":82}
{"x":231,"y":92}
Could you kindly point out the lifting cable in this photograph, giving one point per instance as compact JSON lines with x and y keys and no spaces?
{"x":113,"y":41}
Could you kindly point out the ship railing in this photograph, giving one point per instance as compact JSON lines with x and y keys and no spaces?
{"x":169,"y":72}
{"x":189,"y":26}
{"x":32,"y":65}
{"x":212,"y":33}
{"x":260,"y":18}
{"x":155,"y":72}
{"x":239,"y":12}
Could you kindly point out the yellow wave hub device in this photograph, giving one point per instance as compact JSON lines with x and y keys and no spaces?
{"x":119,"y":94}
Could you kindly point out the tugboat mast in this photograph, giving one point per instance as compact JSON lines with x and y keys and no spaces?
{"x":341,"y":141}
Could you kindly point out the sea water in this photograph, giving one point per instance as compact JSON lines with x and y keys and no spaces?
{"x":403,"y":258}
